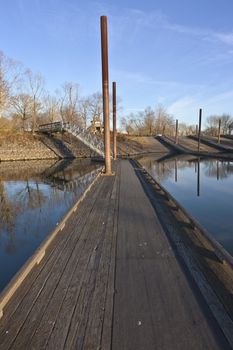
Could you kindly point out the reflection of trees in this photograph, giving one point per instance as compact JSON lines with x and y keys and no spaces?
{"x":8,"y":210}
{"x":166,"y":169}
{"x":30,"y":197}
{"x":33,"y":202}
{"x":218,"y":169}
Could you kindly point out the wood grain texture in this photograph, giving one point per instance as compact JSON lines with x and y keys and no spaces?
{"x":110,"y":280}
{"x":156,"y":306}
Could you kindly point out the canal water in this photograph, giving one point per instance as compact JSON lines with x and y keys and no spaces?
{"x":204,"y":187}
{"x":34,"y":196}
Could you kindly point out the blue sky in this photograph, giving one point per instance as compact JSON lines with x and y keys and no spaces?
{"x":175,"y":53}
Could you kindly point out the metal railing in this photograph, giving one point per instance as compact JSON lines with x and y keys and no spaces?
{"x":50,"y":127}
{"x":82,"y":134}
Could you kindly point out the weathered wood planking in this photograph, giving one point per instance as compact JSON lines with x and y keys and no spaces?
{"x":156,"y":306}
{"x":110,"y":280}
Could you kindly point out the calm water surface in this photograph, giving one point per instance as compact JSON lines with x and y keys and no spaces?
{"x":203,"y":187}
{"x":34,"y":196}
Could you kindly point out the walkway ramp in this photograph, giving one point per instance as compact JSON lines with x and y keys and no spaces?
{"x":110,"y":279}
{"x":95,"y":143}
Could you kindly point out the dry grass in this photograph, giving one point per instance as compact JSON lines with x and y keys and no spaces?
{"x":15,"y":137}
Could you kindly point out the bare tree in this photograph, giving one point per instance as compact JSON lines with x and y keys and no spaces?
{"x":36,"y":88}
{"x":133,"y":123}
{"x":164,"y":123}
{"x":23,"y":106}
{"x":68,"y":103}
{"x":10,"y":75}
{"x":96,"y":106}
{"x":149,"y":121}
{"x":51,"y":106}
{"x":212,"y":123}
{"x":84,"y":110}
{"x":226,"y":121}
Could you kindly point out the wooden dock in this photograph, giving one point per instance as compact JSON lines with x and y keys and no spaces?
{"x":110,"y":279}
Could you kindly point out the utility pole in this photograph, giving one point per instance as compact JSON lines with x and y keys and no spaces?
{"x":105,"y":91}
{"x":114,"y":120}
{"x":199,"y":131}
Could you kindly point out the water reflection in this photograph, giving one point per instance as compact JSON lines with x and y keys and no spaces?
{"x":34,"y":195}
{"x":203,"y":186}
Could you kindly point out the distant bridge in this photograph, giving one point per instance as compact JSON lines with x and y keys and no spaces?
{"x":82,"y":134}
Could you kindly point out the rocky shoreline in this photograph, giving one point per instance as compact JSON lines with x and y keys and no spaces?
{"x":24,"y":148}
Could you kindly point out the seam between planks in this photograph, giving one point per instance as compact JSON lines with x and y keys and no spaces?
{"x":38,"y":255}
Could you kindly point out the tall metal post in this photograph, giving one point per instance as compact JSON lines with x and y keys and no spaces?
{"x":105,"y":91}
{"x":219,"y":130}
{"x":196,"y":130}
{"x":114,"y":120}
{"x":177,"y":132}
{"x":199,"y":131}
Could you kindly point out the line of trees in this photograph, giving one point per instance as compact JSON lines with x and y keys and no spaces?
{"x":149,"y":122}
{"x":154,"y":122}
{"x":158,"y":121}
{"x":212,"y":124}
{"x":25,"y":102}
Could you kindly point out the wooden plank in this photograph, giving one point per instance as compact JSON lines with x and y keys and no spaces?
{"x":77,"y":302}
{"x":106,"y":338}
{"x":35,"y":259}
{"x":156,"y":304}
{"x":104,"y":280}
{"x":41,"y":290}
{"x":51,"y":253}
{"x":80,"y":315}
{"x":54,"y":325}
{"x":31,"y":267}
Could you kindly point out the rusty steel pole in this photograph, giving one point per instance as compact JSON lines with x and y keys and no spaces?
{"x":105,"y":92}
{"x":199,"y":130}
{"x":177,"y":132}
{"x":114,"y":120}
{"x":219,"y":130}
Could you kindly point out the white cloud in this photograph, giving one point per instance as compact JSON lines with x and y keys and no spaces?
{"x":225,"y":38}
{"x":186,"y":108}
{"x":138,"y":19}
{"x":183,"y":106}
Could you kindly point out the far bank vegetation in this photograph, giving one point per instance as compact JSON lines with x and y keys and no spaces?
{"x":25,"y":103}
